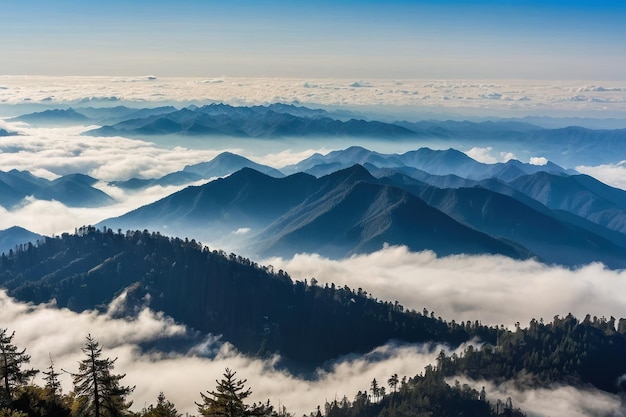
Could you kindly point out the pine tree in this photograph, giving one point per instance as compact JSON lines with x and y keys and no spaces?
{"x":11,"y":362}
{"x":98,"y":391}
{"x":163,"y":408}
{"x":53,"y":385}
{"x":228,"y":400}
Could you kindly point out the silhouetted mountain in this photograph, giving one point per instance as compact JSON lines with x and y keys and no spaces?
{"x":254,"y":308}
{"x":551,"y":237}
{"x":109,"y":115}
{"x":258,"y":121}
{"x":14,"y":236}
{"x":578,"y":194}
{"x":226,"y":163}
{"x":433,"y":162}
{"x":74,"y":190}
{"x":222,"y":165}
{"x":336,"y":215}
{"x":55,"y":117}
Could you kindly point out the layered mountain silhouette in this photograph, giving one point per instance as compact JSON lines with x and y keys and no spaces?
{"x":74,"y":190}
{"x":432,"y":162}
{"x":336,"y":215}
{"x":351,"y":211}
{"x":223,"y":164}
{"x":254,"y":122}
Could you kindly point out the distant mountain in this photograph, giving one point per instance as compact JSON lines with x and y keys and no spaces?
{"x":55,"y":117}
{"x":108,"y":115}
{"x":4,"y":133}
{"x":336,"y":215}
{"x":581,"y":195}
{"x":14,"y":236}
{"x":254,"y":122}
{"x":433,"y":162}
{"x":222,"y":165}
{"x":74,"y":190}
{"x":226,"y":163}
{"x":545,"y":233}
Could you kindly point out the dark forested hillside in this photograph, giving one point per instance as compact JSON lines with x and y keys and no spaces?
{"x":256,"y":308}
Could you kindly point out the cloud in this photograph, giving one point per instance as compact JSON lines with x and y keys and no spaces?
{"x":197,"y":367}
{"x":493,"y":98}
{"x":538,"y":160}
{"x":485,"y":156}
{"x":53,"y":217}
{"x":482,"y":155}
{"x":242,"y":231}
{"x":37,"y":325}
{"x":493,"y":289}
{"x":554,"y":401}
{"x":611,"y":174}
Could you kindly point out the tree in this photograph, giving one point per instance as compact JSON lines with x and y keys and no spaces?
{"x":11,"y":361}
{"x":393,"y":382}
{"x":228,"y":399}
{"x":98,"y":391}
{"x":163,"y":408}
{"x":53,"y":385}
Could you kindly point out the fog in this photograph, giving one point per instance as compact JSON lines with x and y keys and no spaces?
{"x":493,"y":289}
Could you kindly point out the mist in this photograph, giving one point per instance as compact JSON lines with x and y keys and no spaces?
{"x":492,"y":289}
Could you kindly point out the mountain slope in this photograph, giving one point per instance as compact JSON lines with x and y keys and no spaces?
{"x":346,"y":212}
{"x":581,"y":195}
{"x":257,"y":310}
{"x":14,"y":236}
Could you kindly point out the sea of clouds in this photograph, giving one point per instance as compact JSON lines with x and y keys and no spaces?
{"x":492,"y":98}
{"x":494,"y":290}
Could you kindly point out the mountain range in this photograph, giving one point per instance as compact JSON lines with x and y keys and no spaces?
{"x":74,"y":190}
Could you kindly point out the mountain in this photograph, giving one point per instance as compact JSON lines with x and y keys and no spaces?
{"x":433,"y":162}
{"x":74,"y":190}
{"x":226,"y":163}
{"x":254,"y":122}
{"x":55,"y":117}
{"x":336,"y":215}
{"x":14,"y":236}
{"x":108,"y":115}
{"x":222,"y":165}
{"x":4,"y":133}
{"x":545,"y":233}
{"x":581,"y":195}
{"x":257,"y":310}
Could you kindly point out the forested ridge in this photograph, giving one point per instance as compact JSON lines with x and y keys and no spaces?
{"x":258,"y":309}
{"x":263,"y":311}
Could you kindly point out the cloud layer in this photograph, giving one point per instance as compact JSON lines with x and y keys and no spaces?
{"x":491,"y":98}
{"x":495,"y":290}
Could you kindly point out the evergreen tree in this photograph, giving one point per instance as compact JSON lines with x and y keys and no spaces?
{"x":53,"y":385}
{"x":11,"y":361}
{"x":163,"y":408}
{"x":228,"y":400}
{"x":98,"y":391}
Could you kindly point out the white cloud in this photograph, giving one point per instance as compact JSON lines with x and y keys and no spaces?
{"x":242,"y":231}
{"x":469,"y":97}
{"x":538,"y":160}
{"x":482,"y":155}
{"x":507,"y":156}
{"x":492,"y":289}
{"x":611,"y":174}
{"x":557,"y":400}
{"x":152,"y":372}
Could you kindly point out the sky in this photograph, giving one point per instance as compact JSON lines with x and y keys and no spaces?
{"x":503,"y":39}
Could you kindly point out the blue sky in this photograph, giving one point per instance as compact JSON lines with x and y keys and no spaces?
{"x":348,"y":39}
